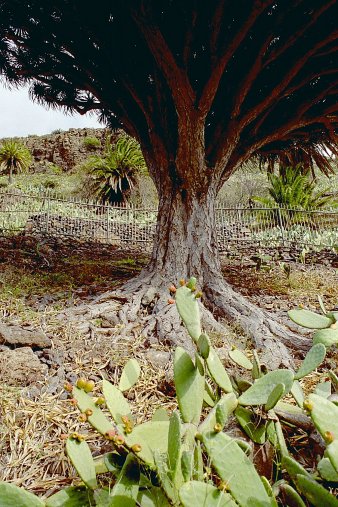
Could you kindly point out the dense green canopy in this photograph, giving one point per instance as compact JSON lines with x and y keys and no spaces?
{"x":263,"y":73}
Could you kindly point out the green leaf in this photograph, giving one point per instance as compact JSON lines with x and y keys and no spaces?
{"x":312,"y":360}
{"x":160,"y":414}
{"x":259,"y":393}
{"x":125,"y":491}
{"x":234,"y":467}
{"x":189,"y":385}
{"x":327,"y":337}
{"x":152,"y":497}
{"x":116,"y":402}
{"x":81,"y":457}
{"x":255,"y":431}
{"x":327,"y":471}
{"x":226,"y":404}
{"x":152,"y":436}
{"x":200,"y":494}
{"x":308,"y":319}
{"x":218,"y":372}
{"x":274,"y":396}
{"x":203,"y":346}
{"x":323,"y":389}
{"x":174,"y":442}
{"x":297,"y":393}
{"x":71,"y":497}
{"x":314,"y":492}
{"x":13,"y":496}
{"x":332,"y":453}
{"x":187,"y":306}
{"x":291,"y":496}
{"x":98,"y":420}
{"x":129,"y":375}
{"x":293,"y":468}
{"x":256,"y":366}
{"x":241,"y":359}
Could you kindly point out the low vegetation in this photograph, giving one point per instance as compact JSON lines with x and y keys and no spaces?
{"x":189,"y":460}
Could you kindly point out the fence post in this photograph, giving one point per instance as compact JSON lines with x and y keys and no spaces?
{"x":280,"y":221}
{"x":48,"y":212}
{"x":108,"y":224}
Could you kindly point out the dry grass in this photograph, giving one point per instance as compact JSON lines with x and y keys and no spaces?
{"x":33,"y":431}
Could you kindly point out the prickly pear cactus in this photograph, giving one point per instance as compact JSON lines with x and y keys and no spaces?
{"x":312,"y":360}
{"x":263,"y":387}
{"x":310,"y":320}
{"x":189,"y":384}
{"x":81,"y":457}
{"x":187,"y":306}
{"x":11,"y":495}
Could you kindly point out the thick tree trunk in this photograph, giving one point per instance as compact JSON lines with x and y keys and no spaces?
{"x":186,"y":240}
{"x":186,"y":245}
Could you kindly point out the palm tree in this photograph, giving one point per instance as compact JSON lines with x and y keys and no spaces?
{"x":112,"y":176}
{"x":294,"y":189}
{"x":14,"y":158}
{"x":291,"y":192}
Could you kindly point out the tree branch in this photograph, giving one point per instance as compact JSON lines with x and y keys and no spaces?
{"x":210,"y":88}
{"x":177,"y":79}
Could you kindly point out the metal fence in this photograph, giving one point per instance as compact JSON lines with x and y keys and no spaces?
{"x":48,"y":213}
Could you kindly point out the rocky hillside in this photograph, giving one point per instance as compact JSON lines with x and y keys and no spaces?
{"x":65,"y":149}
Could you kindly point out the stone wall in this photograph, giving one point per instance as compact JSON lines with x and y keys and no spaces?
{"x":65,"y":149}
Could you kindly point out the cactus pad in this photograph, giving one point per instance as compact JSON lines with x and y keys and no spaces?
{"x":259,"y":393}
{"x":116,"y":402}
{"x":11,"y":495}
{"x":200,"y":494}
{"x":241,"y":359}
{"x":327,"y":337}
{"x":98,"y":420}
{"x":151,"y":436}
{"x":187,"y":306}
{"x":314,"y":492}
{"x":129,"y":375}
{"x":236,"y":469}
{"x":189,"y":386}
{"x":226,"y":405}
{"x":256,"y":432}
{"x":218,"y":372}
{"x":308,"y":319}
{"x":312,"y":360}
{"x":81,"y":457}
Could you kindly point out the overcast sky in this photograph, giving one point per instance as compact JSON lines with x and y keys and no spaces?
{"x":20,"y":116}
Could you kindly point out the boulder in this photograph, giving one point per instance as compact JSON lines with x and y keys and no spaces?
{"x":21,"y":367}
{"x":19,"y":336}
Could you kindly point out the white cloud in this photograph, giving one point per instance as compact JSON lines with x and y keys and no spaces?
{"x":20,"y":116}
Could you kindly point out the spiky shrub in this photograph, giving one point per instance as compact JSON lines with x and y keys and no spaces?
{"x":112,"y":176}
{"x":166,"y":461}
{"x":14,"y":158}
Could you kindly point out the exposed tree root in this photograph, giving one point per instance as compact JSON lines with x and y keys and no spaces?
{"x":145,"y":310}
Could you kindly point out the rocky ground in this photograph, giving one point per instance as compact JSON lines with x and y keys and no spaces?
{"x":41,"y":348}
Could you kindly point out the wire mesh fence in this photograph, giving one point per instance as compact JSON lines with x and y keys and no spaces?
{"x":51,"y":214}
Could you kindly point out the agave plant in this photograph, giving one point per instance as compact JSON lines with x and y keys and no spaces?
{"x":112,"y":176}
{"x":14,"y":158}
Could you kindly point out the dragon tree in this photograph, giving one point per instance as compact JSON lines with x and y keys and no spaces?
{"x":203,"y":87}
